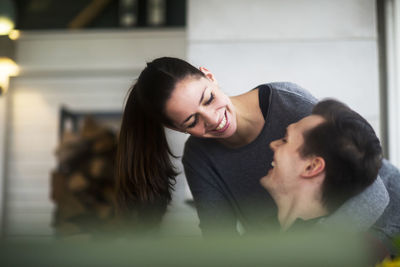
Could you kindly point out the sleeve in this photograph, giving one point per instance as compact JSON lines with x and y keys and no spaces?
{"x":217,"y":216}
{"x":363,"y":210}
{"x":389,"y":222}
{"x":376,"y":206}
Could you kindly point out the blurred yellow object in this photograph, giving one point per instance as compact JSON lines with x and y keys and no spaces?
{"x":6,"y":25}
{"x":389,"y":263}
{"x":14,"y":35}
{"x":7,"y":68}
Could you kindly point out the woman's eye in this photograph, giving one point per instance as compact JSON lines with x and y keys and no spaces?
{"x":210,"y":99}
{"x":284,"y":140}
{"x":193,"y":123}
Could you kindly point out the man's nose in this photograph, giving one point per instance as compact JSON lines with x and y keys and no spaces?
{"x":274,"y":144}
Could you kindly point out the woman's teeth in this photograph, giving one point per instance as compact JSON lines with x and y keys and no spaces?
{"x":222,"y":124}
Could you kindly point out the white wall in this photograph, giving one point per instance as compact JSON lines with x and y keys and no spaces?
{"x":328,"y":47}
{"x":85,"y":71}
{"x":33,"y":137}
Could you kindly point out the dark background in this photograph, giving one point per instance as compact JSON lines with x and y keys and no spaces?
{"x":56,"y":14}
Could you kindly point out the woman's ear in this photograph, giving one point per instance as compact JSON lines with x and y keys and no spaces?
{"x":314,"y":167}
{"x":208,"y":74}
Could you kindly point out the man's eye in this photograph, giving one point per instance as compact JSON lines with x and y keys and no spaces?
{"x":209,"y":100}
{"x":193,"y":123}
{"x":284,"y":140}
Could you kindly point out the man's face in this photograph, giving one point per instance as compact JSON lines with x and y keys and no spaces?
{"x":288,"y":165}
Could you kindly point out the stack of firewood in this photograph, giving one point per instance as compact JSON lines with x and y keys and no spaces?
{"x":83,"y":184}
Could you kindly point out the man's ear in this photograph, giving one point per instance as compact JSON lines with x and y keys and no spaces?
{"x":314,"y":167}
{"x":208,"y":74}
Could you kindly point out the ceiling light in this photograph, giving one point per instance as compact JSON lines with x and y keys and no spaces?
{"x":7,"y":68}
{"x":7,"y":16}
{"x":14,"y":35}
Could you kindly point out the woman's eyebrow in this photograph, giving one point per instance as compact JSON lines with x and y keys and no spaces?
{"x":202,"y":95}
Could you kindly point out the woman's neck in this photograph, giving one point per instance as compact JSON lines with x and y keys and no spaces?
{"x":250,"y":120}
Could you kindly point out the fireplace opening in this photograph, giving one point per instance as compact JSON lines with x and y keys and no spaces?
{"x":82,"y":185}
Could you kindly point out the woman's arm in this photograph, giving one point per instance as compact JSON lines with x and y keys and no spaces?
{"x":216,"y":214}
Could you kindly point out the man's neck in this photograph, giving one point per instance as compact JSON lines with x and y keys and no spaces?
{"x":303,"y":205}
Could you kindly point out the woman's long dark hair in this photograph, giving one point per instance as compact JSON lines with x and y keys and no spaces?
{"x":145,"y":174}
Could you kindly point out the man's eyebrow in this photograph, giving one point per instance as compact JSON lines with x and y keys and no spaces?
{"x":201,"y":99}
{"x":287,"y":131}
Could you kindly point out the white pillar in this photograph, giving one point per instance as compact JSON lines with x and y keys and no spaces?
{"x":392,"y":15}
{"x":3,"y":129}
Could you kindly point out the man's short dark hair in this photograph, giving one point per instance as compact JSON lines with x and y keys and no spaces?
{"x":350,"y":148}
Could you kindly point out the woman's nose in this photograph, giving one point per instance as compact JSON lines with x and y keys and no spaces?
{"x":210,"y":118}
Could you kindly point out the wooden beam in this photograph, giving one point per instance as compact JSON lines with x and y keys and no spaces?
{"x":87,"y":15}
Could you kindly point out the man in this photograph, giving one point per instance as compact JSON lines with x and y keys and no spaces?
{"x":324,"y":163}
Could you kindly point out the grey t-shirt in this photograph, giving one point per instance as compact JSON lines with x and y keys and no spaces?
{"x":225,"y":182}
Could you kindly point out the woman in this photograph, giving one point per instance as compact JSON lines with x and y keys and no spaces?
{"x":225,"y":156}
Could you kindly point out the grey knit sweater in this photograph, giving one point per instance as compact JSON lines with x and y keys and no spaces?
{"x":225,"y":182}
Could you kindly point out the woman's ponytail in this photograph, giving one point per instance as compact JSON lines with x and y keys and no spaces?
{"x":144,"y":171}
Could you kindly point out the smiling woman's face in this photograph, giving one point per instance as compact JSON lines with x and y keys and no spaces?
{"x":198,"y":107}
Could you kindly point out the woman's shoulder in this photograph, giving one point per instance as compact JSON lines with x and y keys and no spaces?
{"x":288,"y":89}
{"x":288,"y":102}
{"x":198,"y":147}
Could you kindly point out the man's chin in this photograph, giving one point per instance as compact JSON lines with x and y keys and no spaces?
{"x":264,"y":181}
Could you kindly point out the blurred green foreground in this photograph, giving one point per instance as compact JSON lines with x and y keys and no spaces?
{"x":299,"y":249}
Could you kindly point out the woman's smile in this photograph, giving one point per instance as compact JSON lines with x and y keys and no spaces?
{"x":223,"y":125}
